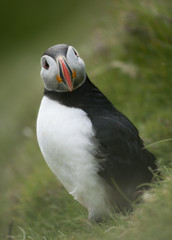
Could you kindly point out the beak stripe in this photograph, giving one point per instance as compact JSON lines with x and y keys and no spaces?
{"x":65,"y":73}
{"x":69,"y":70}
{"x":61,"y":73}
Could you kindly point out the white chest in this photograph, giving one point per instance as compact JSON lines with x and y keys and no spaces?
{"x":64,"y":135}
{"x":65,"y":138}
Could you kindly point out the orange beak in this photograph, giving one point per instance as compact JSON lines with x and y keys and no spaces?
{"x":65,"y":73}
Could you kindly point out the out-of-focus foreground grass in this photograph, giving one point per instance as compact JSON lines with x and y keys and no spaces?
{"x":127,"y":48}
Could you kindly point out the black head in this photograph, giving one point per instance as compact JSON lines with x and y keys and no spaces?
{"x":54,"y":51}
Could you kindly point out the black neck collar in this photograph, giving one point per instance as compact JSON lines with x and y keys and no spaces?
{"x":87,"y":97}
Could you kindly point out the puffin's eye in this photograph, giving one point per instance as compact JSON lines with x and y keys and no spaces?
{"x":46,"y":65}
{"x":75,"y":52}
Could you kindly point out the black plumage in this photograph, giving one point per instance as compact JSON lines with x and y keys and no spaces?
{"x":60,"y":49}
{"x":127,"y":163}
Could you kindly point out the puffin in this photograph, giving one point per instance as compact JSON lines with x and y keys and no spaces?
{"x":92,"y":148}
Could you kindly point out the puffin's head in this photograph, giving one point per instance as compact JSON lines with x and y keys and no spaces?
{"x":62,"y":69}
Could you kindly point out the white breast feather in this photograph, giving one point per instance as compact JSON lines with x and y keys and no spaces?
{"x":65,"y":138}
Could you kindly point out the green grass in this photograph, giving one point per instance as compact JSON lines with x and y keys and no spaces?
{"x":127,"y":49}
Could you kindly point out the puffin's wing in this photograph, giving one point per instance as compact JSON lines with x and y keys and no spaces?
{"x":122,"y":146}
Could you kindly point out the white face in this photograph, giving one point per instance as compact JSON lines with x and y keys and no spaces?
{"x":63,"y":74}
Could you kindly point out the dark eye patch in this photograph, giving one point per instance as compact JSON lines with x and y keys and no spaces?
{"x":46,"y":65}
{"x":75,"y":52}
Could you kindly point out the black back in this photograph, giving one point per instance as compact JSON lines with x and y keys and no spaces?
{"x":127,"y":162}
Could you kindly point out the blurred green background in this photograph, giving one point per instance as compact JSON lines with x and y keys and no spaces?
{"x":127,"y":48}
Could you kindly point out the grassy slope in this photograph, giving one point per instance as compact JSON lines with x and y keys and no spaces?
{"x":133,"y":68}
